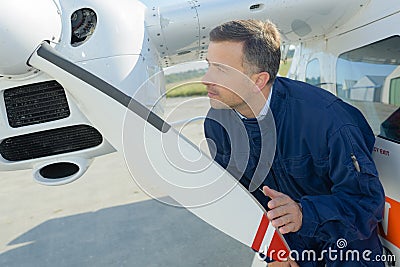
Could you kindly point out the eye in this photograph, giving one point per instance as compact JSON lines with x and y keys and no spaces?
{"x":216,"y":66}
{"x":220,"y":68}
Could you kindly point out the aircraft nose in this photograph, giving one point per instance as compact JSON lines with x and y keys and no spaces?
{"x":24,"y":25}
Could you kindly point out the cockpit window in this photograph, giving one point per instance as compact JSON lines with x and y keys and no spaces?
{"x":369,"y":78}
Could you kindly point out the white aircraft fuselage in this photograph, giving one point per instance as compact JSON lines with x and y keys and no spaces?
{"x":350,"y":48}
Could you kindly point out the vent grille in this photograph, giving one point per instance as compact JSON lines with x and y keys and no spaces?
{"x":50,"y":142}
{"x":35,"y":103}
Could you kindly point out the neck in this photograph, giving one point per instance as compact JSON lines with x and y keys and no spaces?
{"x":252,"y":107}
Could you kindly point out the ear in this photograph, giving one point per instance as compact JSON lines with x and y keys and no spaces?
{"x":261,"y":79}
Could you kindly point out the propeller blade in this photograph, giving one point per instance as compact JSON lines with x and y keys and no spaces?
{"x":153,"y":151}
{"x":103,"y":104}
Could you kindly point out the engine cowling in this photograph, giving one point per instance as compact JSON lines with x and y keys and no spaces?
{"x":24,"y":25}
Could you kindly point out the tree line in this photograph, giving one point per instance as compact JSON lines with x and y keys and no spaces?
{"x":184,"y":76}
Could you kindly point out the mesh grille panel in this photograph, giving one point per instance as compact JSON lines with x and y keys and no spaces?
{"x":50,"y":142}
{"x":35,"y":103}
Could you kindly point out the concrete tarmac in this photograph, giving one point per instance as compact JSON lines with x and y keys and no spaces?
{"x":104,"y":219}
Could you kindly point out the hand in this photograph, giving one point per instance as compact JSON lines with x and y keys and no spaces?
{"x":288,"y":263}
{"x":285,"y":214}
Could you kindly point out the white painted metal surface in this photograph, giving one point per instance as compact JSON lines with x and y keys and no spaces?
{"x":24,"y":25}
{"x":133,"y":39}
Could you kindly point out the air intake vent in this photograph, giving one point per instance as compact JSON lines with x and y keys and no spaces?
{"x":35,"y":103}
{"x":50,"y":142}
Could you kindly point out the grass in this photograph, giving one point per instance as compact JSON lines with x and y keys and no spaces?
{"x":189,"y":89}
{"x":194,"y":87}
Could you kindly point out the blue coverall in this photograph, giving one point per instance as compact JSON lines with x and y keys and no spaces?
{"x":322,"y":160}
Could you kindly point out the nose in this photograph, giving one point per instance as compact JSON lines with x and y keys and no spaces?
{"x":206,"y":80}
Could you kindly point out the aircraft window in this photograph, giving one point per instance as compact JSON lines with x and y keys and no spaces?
{"x":394,"y":97}
{"x":313,"y":73}
{"x":390,"y":128}
{"x":369,"y":78}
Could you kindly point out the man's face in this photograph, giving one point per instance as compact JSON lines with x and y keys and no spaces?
{"x":227,"y":85}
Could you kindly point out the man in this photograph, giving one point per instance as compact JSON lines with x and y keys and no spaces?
{"x":320,"y":187}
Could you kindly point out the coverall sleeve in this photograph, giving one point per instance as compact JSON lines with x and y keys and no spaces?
{"x":356,"y":202}
{"x":218,"y":151}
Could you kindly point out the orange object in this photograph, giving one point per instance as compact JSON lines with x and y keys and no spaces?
{"x":391,"y":231}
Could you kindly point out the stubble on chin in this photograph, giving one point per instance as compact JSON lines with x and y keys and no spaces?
{"x":217,"y":104}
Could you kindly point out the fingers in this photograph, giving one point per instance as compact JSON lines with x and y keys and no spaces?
{"x":285,"y":214}
{"x":282,"y":210}
{"x":277,"y":198}
{"x":271,"y":192}
{"x":287,"y":228}
{"x":283,"y":220}
{"x":288,"y":263}
{"x":279,"y":264}
{"x":293,"y":264}
{"x":279,"y":201}
{"x":285,"y":224}
{"x":290,"y":221}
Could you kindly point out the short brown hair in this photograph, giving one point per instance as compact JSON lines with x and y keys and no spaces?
{"x":261,"y":44}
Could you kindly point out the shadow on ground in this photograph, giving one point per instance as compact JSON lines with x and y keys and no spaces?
{"x":146,"y":233}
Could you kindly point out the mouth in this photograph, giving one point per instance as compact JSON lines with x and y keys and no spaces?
{"x":211,"y":94}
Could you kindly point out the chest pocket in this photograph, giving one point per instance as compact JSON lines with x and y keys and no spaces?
{"x":299,"y":168}
{"x":312,"y":176}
